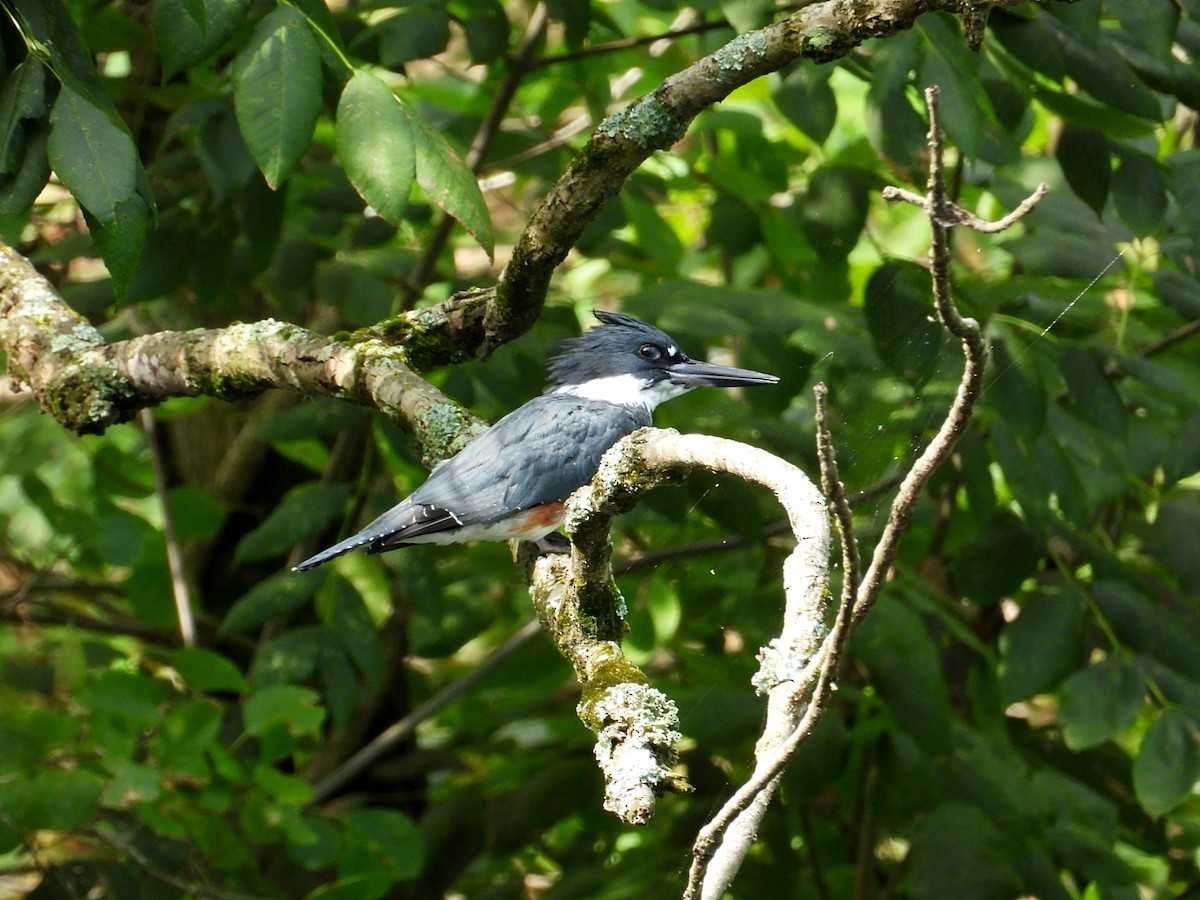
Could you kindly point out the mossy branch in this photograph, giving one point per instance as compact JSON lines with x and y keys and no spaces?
{"x":580,"y":606}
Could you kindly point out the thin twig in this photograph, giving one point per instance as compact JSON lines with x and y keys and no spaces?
{"x":399,"y":732}
{"x":835,"y":492}
{"x":180,"y":591}
{"x":950,"y":214}
{"x":627,"y":43}
{"x":519,"y":67}
{"x":974,"y":352}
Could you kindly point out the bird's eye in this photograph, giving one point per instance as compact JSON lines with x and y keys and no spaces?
{"x":651,"y":352}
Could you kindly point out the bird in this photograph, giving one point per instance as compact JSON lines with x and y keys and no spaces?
{"x":513,"y":480}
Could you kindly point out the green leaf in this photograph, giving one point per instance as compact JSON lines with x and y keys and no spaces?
{"x":22,"y":102}
{"x":375,"y":143}
{"x":1100,"y":702}
{"x":204,"y":670}
{"x":448,"y":182}
{"x":959,"y":852}
{"x":1151,"y":23}
{"x":1083,"y":154}
{"x":948,"y":63}
{"x":130,"y":698}
{"x":834,"y":211}
{"x":575,"y":15}
{"x":1167,"y":767}
{"x":1184,"y":169}
{"x":1092,"y":61}
{"x":21,"y":188}
{"x":277,"y":92}
{"x":181,"y":740}
{"x":283,"y":788}
{"x":419,"y":29}
{"x":1139,"y":191}
{"x":1062,"y":255}
{"x":276,"y":596}
{"x":392,"y":837}
{"x":806,"y":98}
{"x":91,"y":150}
{"x":131,"y":784}
{"x":288,"y":704}
{"x":54,"y":799}
{"x":895,"y":645}
{"x":898,"y":307}
{"x":190,"y":31}
{"x":487,"y":31}
{"x":120,"y":241}
{"x":1096,"y":400}
{"x":196,"y":513}
{"x":304,"y":512}
{"x":1041,"y":646}
{"x":993,"y":563}
{"x":93,"y":154}
{"x":350,"y":621}
{"x":1179,"y":291}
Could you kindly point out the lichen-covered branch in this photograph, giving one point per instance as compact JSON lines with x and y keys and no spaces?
{"x":579,"y":605}
{"x":87,"y":384}
{"x":820,"y":33}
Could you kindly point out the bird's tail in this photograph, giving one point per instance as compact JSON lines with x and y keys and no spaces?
{"x":351,"y":543}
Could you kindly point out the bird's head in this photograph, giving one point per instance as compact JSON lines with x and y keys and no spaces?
{"x":629,"y":363}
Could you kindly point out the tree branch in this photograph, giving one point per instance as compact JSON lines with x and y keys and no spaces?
{"x":88,"y":384}
{"x":655,"y":121}
{"x":581,"y":608}
{"x":940,"y":211}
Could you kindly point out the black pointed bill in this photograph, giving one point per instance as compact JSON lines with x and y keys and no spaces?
{"x":701,"y":374}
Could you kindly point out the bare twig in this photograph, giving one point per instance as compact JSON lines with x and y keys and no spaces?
{"x":836,"y":492}
{"x":723,"y":842}
{"x":398,"y":733}
{"x":974,"y":352}
{"x":180,"y":590}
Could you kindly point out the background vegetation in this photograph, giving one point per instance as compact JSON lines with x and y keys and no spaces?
{"x":1020,"y":714}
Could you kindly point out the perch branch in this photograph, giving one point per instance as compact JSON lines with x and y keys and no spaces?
{"x":636,"y":726}
{"x":88,"y":384}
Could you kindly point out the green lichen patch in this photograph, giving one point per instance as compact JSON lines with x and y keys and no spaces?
{"x":731,"y":58}
{"x":647,"y":122}
{"x":610,"y":672}
{"x":444,"y":429}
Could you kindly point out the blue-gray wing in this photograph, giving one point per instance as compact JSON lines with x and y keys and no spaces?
{"x":537,"y":454}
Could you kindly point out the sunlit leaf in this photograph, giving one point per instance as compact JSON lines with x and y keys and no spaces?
{"x":277,"y":77}
{"x":189,"y":31}
{"x":1167,"y":767}
{"x":448,"y":182}
{"x":375,"y":144}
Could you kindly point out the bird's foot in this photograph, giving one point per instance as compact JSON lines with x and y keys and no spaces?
{"x":554,"y":542}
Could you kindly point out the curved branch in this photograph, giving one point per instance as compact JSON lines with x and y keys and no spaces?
{"x":657,"y":120}
{"x":88,"y":384}
{"x":581,"y":608}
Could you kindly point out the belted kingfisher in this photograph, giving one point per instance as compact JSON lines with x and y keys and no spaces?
{"x":512,"y":481}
